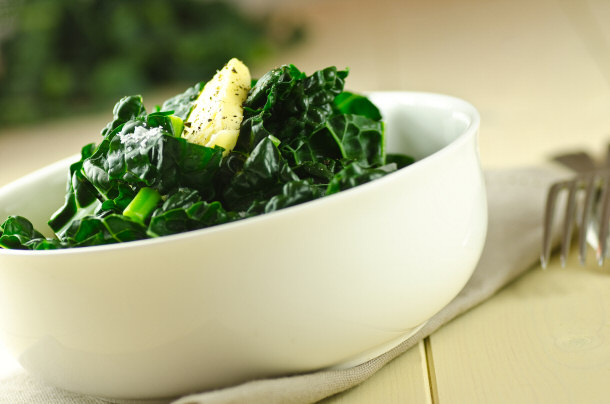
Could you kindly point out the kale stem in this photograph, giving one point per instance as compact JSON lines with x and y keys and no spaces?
{"x":142,"y":206}
{"x":177,"y":125}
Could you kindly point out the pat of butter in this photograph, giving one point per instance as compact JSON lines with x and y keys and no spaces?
{"x":217,"y":115}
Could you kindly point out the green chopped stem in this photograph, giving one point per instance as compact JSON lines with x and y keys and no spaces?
{"x":177,"y":125}
{"x":142,"y":206}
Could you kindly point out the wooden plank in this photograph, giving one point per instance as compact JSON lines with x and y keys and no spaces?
{"x":542,"y":339}
{"x":404,"y":380}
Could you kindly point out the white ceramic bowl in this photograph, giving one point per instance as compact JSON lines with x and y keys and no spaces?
{"x":328,"y":283}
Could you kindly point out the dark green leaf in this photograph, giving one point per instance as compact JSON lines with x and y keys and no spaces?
{"x":126,"y":109}
{"x":151,"y":157}
{"x":16,"y":231}
{"x":45,"y":244}
{"x":111,"y":229}
{"x":293,"y":193}
{"x":182,"y":104}
{"x":351,"y":137}
{"x":400,"y":160}
{"x":352,"y":176}
{"x":356,"y":104}
{"x":185,"y":211}
{"x":289,"y":105}
{"x":262,"y":176}
{"x":80,"y":194}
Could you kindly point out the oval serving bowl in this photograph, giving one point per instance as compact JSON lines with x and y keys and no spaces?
{"x":328,"y":283}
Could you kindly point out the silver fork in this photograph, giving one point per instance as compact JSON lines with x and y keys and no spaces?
{"x":587,"y":204}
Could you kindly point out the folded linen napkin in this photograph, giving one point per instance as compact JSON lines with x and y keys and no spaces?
{"x":516,"y":202}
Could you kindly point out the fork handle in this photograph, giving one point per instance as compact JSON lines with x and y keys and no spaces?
{"x":579,"y":161}
{"x":607,"y":162}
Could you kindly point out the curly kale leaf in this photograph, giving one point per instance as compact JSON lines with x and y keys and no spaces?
{"x":263,"y":174}
{"x":357,"y":104}
{"x":127,"y":109}
{"x":289,"y":105}
{"x":356,"y":174}
{"x":293,"y":193}
{"x":343,"y":137}
{"x":182,"y":104}
{"x":142,"y":156}
{"x":16,"y":232}
{"x":400,"y":160}
{"x":185,"y":210}
{"x":111,"y":229}
{"x":139,"y":152}
{"x":81,"y":196}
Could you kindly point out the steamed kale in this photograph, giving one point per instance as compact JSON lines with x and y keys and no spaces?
{"x":302,"y":137}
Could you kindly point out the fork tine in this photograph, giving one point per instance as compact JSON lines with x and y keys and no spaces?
{"x":568,"y":222}
{"x":602,"y":241}
{"x":549,"y":216}
{"x":586,"y":217}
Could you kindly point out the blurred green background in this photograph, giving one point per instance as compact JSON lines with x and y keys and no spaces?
{"x":64,"y":57}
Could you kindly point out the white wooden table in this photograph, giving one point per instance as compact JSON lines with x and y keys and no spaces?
{"x":539,"y":73}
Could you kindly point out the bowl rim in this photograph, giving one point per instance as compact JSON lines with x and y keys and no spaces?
{"x":413,"y":97}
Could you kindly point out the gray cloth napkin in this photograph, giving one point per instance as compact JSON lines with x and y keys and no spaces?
{"x":516,"y":202}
